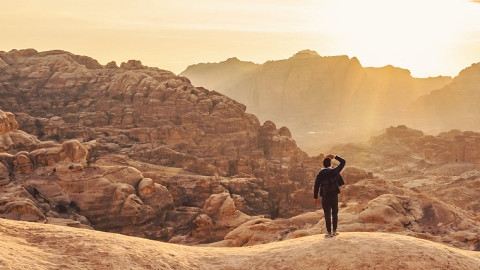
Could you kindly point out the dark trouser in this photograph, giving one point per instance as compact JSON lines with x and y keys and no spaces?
{"x":330,"y":207}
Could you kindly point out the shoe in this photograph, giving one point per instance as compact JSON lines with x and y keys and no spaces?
{"x":335,"y":233}
{"x":328,"y":235}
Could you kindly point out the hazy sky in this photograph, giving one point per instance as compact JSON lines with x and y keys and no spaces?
{"x":429,"y":37}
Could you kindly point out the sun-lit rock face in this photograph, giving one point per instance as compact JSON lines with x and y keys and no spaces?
{"x":10,"y":137}
{"x":55,"y":182}
{"x":135,"y":103}
{"x":402,"y":150}
{"x":7,"y":122}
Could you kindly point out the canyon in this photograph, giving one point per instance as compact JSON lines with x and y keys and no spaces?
{"x":140,"y":151}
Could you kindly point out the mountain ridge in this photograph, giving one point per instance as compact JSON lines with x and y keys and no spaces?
{"x":295,"y":92}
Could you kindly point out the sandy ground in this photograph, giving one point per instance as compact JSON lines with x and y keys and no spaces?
{"x":40,"y":246}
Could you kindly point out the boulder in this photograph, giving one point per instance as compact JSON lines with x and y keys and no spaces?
{"x":12,"y":138}
{"x":22,"y":163}
{"x":7,"y":122}
{"x":217,"y":218}
{"x":111,"y":64}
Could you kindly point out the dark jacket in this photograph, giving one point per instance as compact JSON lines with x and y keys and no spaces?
{"x":329,"y":172}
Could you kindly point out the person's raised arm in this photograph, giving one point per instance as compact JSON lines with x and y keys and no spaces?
{"x":339,"y":168}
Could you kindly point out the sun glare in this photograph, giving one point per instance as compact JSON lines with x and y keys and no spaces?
{"x":404,"y":33}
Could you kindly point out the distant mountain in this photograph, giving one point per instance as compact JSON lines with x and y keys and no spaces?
{"x":217,"y":75}
{"x":457,"y":105}
{"x":311,"y":93}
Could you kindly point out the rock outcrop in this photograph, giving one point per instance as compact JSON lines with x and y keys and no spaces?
{"x":54,"y":181}
{"x":218,"y":217}
{"x":11,"y":137}
{"x":51,"y":247}
{"x":262,"y":231}
{"x":415,"y":215}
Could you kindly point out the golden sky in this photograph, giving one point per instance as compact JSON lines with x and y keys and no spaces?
{"x":429,"y":37}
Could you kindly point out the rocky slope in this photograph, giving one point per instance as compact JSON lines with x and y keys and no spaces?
{"x":445,"y":166}
{"x":310,"y":93}
{"x":403,"y":149}
{"x":35,"y":246}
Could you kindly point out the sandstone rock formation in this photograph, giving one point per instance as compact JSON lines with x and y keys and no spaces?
{"x":218,"y":217}
{"x":462,"y":192}
{"x":54,"y":181}
{"x":262,"y":231}
{"x":155,"y":118}
{"x":11,"y":137}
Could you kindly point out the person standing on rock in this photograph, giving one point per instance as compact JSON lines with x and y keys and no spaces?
{"x":328,"y":181}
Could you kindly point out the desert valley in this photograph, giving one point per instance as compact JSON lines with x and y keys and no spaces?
{"x":129,"y":166}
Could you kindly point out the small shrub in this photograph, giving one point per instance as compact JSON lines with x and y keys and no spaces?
{"x":38,"y":124}
{"x":61,"y":209}
{"x":119,"y":97}
{"x":55,"y":137}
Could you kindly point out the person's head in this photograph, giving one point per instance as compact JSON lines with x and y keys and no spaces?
{"x":327,"y":162}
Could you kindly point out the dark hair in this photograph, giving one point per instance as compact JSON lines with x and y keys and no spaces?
{"x":327,"y":162}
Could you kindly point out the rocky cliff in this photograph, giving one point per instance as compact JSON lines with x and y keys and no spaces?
{"x":184,"y":142}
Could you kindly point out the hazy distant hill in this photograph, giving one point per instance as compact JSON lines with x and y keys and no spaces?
{"x":456,"y":105}
{"x":217,"y":75}
{"x":311,"y":93}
